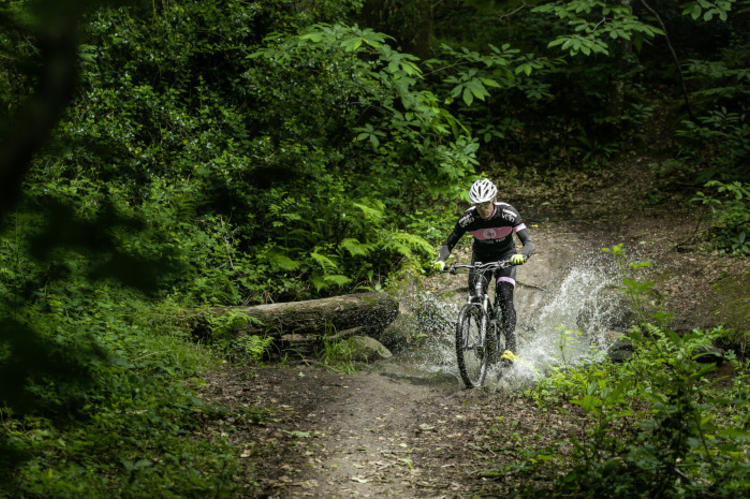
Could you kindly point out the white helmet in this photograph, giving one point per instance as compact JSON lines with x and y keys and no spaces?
{"x":482,"y":191}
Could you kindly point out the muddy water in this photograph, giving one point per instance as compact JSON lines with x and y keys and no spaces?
{"x":568,"y":312}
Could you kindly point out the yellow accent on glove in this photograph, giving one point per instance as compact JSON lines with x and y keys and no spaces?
{"x":508,"y":355}
{"x":518,"y":259}
{"x":438,"y":265}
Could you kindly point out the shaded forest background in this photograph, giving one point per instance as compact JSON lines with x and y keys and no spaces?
{"x":163,"y":155}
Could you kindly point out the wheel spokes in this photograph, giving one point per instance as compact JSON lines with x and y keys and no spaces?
{"x":471,"y":349}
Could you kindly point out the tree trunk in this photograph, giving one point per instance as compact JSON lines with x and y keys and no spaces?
{"x":309,"y":321}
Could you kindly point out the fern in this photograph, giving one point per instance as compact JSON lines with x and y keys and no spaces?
{"x":355,"y":248}
{"x":281,"y":261}
{"x":253,"y":345}
{"x":283,"y":206}
{"x":326,"y":281}
{"x":318,"y":282}
{"x":337,"y":279}
{"x":372,"y":213}
{"x":325,"y":262}
{"x":403,"y":244}
{"x":229,"y":324}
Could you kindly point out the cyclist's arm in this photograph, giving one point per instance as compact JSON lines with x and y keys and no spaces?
{"x":458,"y":231}
{"x":528,"y":245}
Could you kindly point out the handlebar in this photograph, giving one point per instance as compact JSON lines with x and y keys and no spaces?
{"x":479,"y":266}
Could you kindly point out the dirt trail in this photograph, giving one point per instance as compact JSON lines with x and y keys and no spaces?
{"x":372,"y":435}
{"x":366,"y":435}
{"x":369,"y":435}
{"x":305,"y":431}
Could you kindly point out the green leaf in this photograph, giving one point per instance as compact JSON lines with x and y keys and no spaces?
{"x":352,"y":44}
{"x":403,"y":243}
{"x":354,"y":247}
{"x":374,"y":214}
{"x":325,"y":262}
{"x":337,"y":279}
{"x":318,"y":282}
{"x":410,"y":68}
{"x":468,"y":96}
{"x":313,"y":37}
{"x":674,"y":337}
{"x":283,"y":262}
{"x":490,"y":82}
{"x":477,"y":89}
{"x":373,"y":43}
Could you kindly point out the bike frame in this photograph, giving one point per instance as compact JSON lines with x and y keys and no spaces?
{"x":488,"y":314}
{"x":479,"y":295}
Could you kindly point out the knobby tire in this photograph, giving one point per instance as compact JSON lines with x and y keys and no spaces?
{"x":472,"y":355}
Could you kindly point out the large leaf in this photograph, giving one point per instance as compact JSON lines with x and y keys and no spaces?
{"x":468,"y":96}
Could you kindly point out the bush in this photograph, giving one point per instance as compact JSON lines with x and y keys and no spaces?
{"x":730,"y":206}
{"x":658,"y":424}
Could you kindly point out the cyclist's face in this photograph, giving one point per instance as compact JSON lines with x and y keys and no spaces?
{"x":485,"y":209}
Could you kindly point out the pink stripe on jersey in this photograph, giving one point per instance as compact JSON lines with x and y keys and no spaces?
{"x":506,"y":279}
{"x":519,"y":227}
{"x":491,"y":233}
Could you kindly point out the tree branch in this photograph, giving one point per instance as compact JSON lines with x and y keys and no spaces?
{"x":513,"y":12}
{"x":674,"y":57}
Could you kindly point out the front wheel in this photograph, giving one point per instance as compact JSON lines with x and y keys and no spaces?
{"x":471,"y":346}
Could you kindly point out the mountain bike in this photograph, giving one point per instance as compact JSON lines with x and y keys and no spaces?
{"x":478,"y":343}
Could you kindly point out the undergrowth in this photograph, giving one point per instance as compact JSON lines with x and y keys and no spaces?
{"x":130,"y":431}
{"x":662,"y":424}
{"x":336,"y":354}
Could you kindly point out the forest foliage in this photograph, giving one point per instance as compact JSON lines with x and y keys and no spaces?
{"x":224,"y":152}
{"x":664,"y":423}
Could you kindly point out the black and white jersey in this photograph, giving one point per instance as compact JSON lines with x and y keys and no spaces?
{"x":493,"y":236}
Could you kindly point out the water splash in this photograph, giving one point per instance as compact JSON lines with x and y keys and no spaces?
{"x":574,"y":326}
{"x":566,"y":325}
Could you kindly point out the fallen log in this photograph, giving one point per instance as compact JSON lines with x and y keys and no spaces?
{"x":309,"y":339}
{"x":304,"y":322}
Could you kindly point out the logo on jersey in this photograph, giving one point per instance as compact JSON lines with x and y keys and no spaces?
{"x":508,"y":215}
{"x":492,"y":234}
{"x":465,"y":220}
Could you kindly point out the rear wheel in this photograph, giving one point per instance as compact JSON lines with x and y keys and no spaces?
{"x":471,"y":348}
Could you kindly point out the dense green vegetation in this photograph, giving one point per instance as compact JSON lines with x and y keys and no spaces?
{"x":665,"y":423}
{"x":231,"y":152}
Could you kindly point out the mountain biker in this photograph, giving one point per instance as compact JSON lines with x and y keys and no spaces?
{"x":492,"y":223}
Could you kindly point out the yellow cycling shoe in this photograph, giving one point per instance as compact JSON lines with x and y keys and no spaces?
{"x":508,"y":355}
